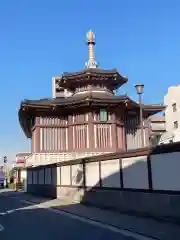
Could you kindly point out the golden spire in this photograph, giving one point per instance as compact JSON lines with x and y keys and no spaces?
{"x":91,"y":58}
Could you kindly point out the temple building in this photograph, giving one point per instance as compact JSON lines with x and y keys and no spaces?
{"x":85,"y":117}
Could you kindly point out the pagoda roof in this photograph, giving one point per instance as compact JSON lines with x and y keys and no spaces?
{"x":111,"y":77}
{"x":99,"y":71}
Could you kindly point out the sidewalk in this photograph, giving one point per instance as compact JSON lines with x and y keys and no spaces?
{"x":145,"y":226}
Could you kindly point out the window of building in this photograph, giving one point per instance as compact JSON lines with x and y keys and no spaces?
{"x":176,"y":124}
{"x":174,"y":107}
{"x":103,"y":115}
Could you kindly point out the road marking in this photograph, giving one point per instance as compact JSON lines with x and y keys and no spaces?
{"x":1,"y":228}
{"x":124,"y":232}
{"x":3,"y":213}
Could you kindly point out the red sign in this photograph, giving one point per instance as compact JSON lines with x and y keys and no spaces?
{"x":20,"y":160}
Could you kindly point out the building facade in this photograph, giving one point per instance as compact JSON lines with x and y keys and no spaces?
{"x":85,"y":117}
{"x":158,"y":129}
{"x":20,"y":167}
{"x":172,"y":113}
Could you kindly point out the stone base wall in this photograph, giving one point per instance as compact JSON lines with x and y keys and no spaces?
{"x":42,"y":190}
{"x":73,"y":194}
{"x":134,"y":202}
{"x":158,"y":205}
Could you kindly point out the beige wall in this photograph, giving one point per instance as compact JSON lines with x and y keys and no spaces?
{"x":171,"y":97}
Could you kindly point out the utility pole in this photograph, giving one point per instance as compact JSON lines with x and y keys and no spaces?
{"x":5,"y":172}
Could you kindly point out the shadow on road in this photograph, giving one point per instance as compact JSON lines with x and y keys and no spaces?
{"x":22,"y":220}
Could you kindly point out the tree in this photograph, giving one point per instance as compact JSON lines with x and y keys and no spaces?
{"x":12,"y":175}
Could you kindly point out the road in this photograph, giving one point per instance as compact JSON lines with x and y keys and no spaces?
{"x":20,"y":220}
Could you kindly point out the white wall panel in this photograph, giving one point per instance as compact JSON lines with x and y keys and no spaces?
{"x":92,"y":174}
{"x":29,"y":177}
{"x":65,"y":175}
{"x":135,"y":172}
{"x":77,"y":175}
{"x":41,"y":176}
{"x":54,"y":176}
{"x":166,"y":171}
{"x":110,"y":173}
{"x":58,"y":169}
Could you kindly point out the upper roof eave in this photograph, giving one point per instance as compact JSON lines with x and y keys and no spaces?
{"x":90,"y":70}
{"x":94,"y":72}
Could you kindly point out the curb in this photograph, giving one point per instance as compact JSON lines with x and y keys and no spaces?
{"x":98,"y":221}
{"x":136,"y":214}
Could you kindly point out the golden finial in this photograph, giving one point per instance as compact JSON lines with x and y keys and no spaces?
{"x":91,"y":42}
{"x":91,"y":37}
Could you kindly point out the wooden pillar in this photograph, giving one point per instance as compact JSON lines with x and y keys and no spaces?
{"x":124,"y":139}
{"x":36,"y":136}
{"x":91,"y":130}
{"x":124,"y":130}
{"x":70,"y":133}
{"x":114,"y":133}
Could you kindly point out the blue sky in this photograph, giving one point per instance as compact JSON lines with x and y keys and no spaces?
{"x":42,"y":38}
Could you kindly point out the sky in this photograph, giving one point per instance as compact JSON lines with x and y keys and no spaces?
{"x":40,"y":39}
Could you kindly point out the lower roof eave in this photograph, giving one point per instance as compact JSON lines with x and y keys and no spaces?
{"x":22,"y":122}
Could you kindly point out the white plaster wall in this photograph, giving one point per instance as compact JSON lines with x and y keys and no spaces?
{"x":135,"y":172}
{"x":58,"y":176}
{"x":166,"y":171}
{"x":65,"y":175}
{"x":92,"y":174}
{"x":110,"y":173}
{"x":76,"y":170}
{"x":23,"y":175}
{"x":177,"y":134}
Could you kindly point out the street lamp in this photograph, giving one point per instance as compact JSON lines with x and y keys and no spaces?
{"x":139,"y":90}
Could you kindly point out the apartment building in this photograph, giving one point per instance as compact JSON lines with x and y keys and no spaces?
{"x":172,"y":113}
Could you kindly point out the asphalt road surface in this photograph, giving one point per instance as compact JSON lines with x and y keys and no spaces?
{"x":22,"y":221}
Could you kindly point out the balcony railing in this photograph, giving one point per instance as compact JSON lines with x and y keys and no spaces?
{"x":36,"y":159}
